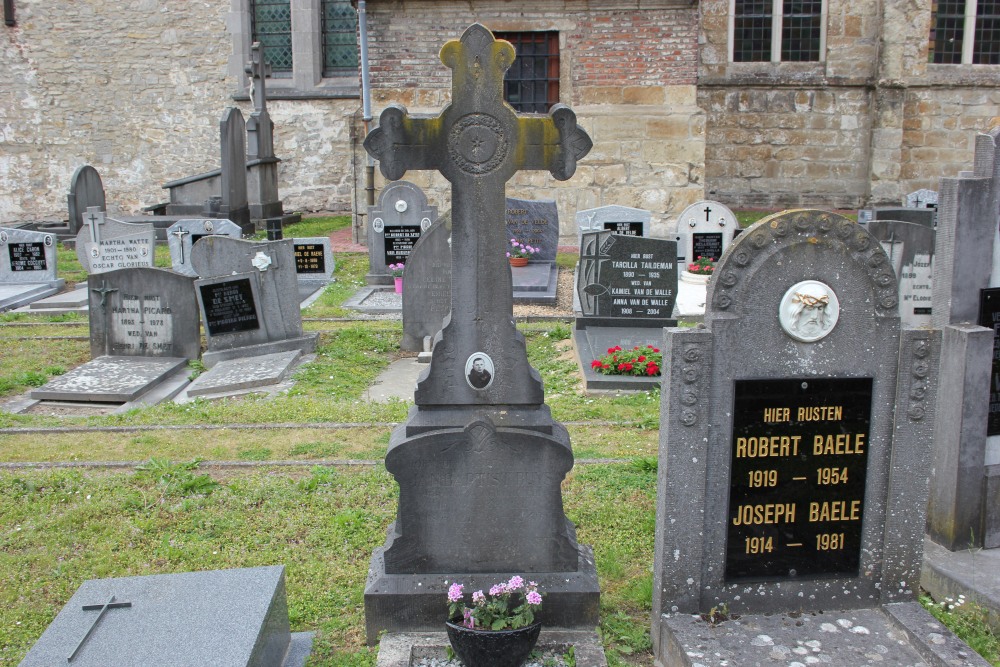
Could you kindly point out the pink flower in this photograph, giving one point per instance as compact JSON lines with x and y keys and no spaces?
{"x":478,"y":598}
{"x":515,"y":583}
{"x":514,"y":241}
{"x":455,"y":592}
{"x":498,"y":589}
{"x":468,"y":621}
{"x":534,"y":598}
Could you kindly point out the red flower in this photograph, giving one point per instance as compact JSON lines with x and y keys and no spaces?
{"x":652,"y":369}
{"x":641,"y":357}
{"x":656,"y":349}
{"x":596,"y":363}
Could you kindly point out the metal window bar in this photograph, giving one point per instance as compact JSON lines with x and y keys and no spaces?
{"x":986,"y":49}
{"x":752,"y":30}
{"x":271,"y":25}
{"x":340,"y":38}
{"x":532,"y":82}
{"x":947,"y":32}
{"x":801,"y":30}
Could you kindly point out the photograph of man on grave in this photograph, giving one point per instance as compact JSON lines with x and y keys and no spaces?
{"x":479,"y":370}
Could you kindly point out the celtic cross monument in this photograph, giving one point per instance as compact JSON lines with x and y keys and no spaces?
{"x":479,"y":460}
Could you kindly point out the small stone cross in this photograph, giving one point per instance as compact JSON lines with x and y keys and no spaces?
{"x":478,"y":143}
{"x":180,"y":234}
{"x":110,"y":604}
{"x":94,"y":219}
{"x":258,"y":71}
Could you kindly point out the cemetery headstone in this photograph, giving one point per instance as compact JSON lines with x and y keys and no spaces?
{"x":919,"y":216}
{"x":235,"y":205}
{"x":105,"y":244}
{"x":805,"y":500}
{"x":395,"y":225}
{"x":463,"y":426}
{"x":220,"y":617}
{"x":262,"y":165}
{"x":910,"y":248}
{"x":535,"y":223}
{"x":243,"y":296}
{"x":85,"y":190}
{"x":627,"y":288}
{"x":314,"y":263}
{"x":183,"y":234}
{"x":706,"y":229}
{"x":621,"y":220}
{"x":427,"y":286}
{"x":922,"y":198}
{"x":143,"y":329}
{"x":27,"y":267}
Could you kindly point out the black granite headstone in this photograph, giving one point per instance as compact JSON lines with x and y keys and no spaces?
{"x":399,"y":242}
{"x":706,"y":246}
{"x":310,"y":258}
{"x":989,"y":317}
{"x":624,"y":228}
{"x":627,"y":276}
{"x":534,"y":223}
{"x":229,"y":307}
{"x":28,"y":256}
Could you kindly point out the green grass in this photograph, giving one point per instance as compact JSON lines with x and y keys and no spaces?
{"x":970,"y":621}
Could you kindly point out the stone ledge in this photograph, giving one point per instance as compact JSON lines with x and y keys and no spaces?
{"x":399,"y":649}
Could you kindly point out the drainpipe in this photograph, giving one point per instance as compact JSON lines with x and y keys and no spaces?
{"x":366,"y":99}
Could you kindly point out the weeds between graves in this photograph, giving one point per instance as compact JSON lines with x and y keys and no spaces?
{"x":968,"y":620}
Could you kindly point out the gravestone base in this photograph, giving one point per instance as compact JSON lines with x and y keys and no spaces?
{"x":219,"y":617}
{"x":593,"y":336}
{"x":110,"y":379}
{"x":244,"y":373}
{"x":535,"y":283}
{"x":417,"y":602}
{"x":901,"y":634}
{"x":73,"y":301}
{"x":305,"y":344}
{"x":406,"y":649}
{"x":22,"y":294}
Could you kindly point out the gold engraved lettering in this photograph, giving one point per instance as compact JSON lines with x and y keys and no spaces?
{"x":753,"y":515}
{"x":818,"y":413}
{"x":835,"y":510}
{"x":841,"y":443}
{"x":777,"y":414}
{"x":764,"y":446}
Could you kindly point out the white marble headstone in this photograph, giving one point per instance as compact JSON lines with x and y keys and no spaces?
{"x":706,"y":228}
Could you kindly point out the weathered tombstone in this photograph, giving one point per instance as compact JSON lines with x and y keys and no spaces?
{"x":183,"y":234}
{"x":919,"y":216}
{"x":235,"y":205}
{"x":396,"y":223}
{"x":535,"y":223}
{"x":706,"y":228}
{"x":427,"y":286}
{"x":627,"y":287}
{"x":621,"y":220}
{"x":27,"y":267}
{"x":467,"y":422}
{"x":795,"y":448}
{"x":910,"y":248}
{"x":242,"y":294}
{"x":220,"y":617}
{"x":143,"y":329}
{"x":85,"y":190}
{"x":314,"y":263}
{"x":965,"y":266}
{"x":105,"y":244}
{"x":922,"y":198}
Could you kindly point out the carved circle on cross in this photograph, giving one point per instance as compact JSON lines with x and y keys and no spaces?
{"x":477,"y":144}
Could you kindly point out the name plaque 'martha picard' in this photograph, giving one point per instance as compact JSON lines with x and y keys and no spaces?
{"x":797,"y":485}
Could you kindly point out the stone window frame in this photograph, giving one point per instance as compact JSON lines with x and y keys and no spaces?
{"x":307,"y":80}
{"x":777,"y":16}
{"x":971,"y":14}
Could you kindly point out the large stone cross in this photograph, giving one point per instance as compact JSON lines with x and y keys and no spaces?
{"x":478,"y":143}
{"x":258,"y":70}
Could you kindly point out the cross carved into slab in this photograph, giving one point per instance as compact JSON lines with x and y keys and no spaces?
{"x":478,"y":142}
{"x":94,"y":219}
{"x":103,"y":608}
{"x":708,"y":213}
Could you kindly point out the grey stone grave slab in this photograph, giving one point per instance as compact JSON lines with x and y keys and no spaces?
{"x":110,"y":379}
{"x":143,"y":313}
{"x":479,"y":406}
{"x":409,"y":649}
{"x":910,"y":248}
{"x":706,"y":229}
{"x":27,"y":267}
{"x":314,"y":264}
{"x":228,"y":618}
{"x":627,"y":286}
{"x":105,"y":244}
{"x":85,"y":190}
{"x":922,"y":198}
{"x":395,"y":225}
{"x":427,"y":286}
{"x":535,"y":223}
{"x":235,"y":204}
{"x":183,"y":234}
{"x":245,"y":373}
{"x":70,"y":301}
{"x":243,"y":298}
{"x":919,"y":216}
{"x":621,"y":220}
{"x":803,"y":497}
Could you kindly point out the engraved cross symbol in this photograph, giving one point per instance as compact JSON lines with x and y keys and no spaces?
{"x":180,"y":234}
{"x":478,"y":143}
{"x":94,"y":219}
{"x":104,"y":290}
{"x":708,"y":212}
{"x":103,"y":608}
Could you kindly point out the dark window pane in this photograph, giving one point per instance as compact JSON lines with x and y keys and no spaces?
{"x":801,"y":26}
{"x":271,"y":25}
{"x":947,"y":31}
{"x":752,"y":31}
{"x":532,"y":82}
{"x":340,"y":37}
{"x":986,"y":48}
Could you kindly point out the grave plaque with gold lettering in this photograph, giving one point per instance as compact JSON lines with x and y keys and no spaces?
{"x":797,"y":484}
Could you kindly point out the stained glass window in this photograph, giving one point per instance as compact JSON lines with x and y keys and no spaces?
{"x":777,"y":30}
{"x":340,"y":37}
{"x":532,"y":82}
{"x":272,"y":27}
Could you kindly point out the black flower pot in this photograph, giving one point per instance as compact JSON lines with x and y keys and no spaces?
{"x":485,"y":648}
